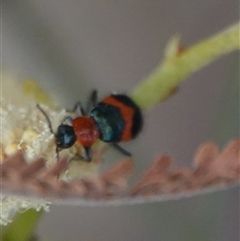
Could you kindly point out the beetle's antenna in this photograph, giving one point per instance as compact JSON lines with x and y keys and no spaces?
{"x":50,"y":127}
{"x":47,"y":118}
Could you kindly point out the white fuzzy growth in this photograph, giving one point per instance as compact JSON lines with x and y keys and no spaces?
{"x":27,"y":128}
{"x":24,"y":128}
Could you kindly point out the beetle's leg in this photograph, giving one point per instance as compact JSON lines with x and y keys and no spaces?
{"x":94,"y":98}
{"x":87,"y":157}
{"x":121,"y":149}
{"x":78,"y":109}
{"x":92,"y":102}
{"x":88,"y":154}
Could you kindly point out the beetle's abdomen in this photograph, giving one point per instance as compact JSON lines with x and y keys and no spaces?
{"x":118,"y":118}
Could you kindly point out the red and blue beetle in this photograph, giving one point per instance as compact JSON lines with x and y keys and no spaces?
{"x":114,"y":119}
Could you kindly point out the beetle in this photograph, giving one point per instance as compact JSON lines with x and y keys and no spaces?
{"x":114,"y":119}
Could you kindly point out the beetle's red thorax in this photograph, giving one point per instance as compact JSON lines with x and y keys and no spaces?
{"x":86,"y":130}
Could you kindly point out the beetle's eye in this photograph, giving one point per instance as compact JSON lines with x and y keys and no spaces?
{"x":65,"y":136}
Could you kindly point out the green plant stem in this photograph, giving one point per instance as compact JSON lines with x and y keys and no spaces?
{"x":22,"y":227}
{"x":175,"y":69}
